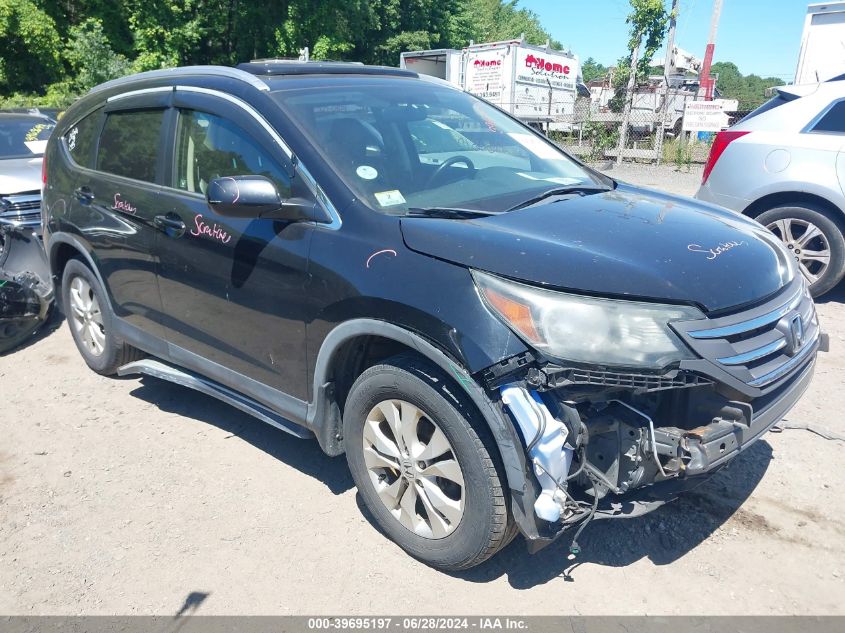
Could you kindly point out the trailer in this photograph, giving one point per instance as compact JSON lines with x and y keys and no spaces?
{"x":536,"y":84}
{"x":822,"y":54}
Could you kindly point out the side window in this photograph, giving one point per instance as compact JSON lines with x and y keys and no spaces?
{"x":833,"y":120}
{"x":209,"y":147}
{"x":81,"y":139}
{"x":129,"y":144}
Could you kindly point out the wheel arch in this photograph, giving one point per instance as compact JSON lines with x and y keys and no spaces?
{"x":784,"y":198}
{"x":324,"y":415}
{"x":363,"y":342}
{"x":62,"y":248}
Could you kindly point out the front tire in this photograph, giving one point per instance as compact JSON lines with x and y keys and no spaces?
{"x":814,"y":239}
{"x":425,"y":465}
{"x":91,"y":321}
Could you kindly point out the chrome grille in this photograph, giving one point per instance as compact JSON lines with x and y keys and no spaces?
{"x":21,"y":209}
{"x":760,"y":346}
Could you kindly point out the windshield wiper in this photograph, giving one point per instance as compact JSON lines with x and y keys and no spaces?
{"x":559,"y":191}
{"x":447,"y":213}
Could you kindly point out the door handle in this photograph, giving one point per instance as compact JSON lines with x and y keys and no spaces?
{"x":84,"y":194}
{"x":171,"y":224}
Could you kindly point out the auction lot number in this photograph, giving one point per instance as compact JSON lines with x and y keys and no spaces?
{"x":415,"y":623}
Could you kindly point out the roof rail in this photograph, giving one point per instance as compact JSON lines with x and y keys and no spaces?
{"x":294,"y":67}
{"x":184,"y":71}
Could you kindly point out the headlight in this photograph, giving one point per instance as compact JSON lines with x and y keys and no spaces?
{"x":586,"y":329}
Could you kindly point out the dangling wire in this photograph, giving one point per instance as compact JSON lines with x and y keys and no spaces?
{"x":574,"y":548}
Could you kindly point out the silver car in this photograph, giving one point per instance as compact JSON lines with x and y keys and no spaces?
{"x":23,"y":138}
{"x":784,"y":165}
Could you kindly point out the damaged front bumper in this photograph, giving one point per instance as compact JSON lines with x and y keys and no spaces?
{"x":602,"y":444}
{"x":26,"y":286}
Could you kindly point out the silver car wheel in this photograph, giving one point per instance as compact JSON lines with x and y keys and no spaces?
{"x":413,"y":469}
{"x":86,"y":316}
{"x":807,"y":243}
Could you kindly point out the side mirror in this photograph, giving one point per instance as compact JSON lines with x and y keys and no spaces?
{"x":257,"y":197}
{"x":243,"y":196}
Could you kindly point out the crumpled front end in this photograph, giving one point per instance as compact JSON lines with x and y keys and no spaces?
{"x":26,"y":287}
{"x":606,"y":443}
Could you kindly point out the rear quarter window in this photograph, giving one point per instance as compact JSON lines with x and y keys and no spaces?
{"x":129,"y":144}
{"x":832,"y":121}
{"x":81,"y":139}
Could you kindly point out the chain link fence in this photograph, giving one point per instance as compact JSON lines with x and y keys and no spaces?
{"x":596,"y":131}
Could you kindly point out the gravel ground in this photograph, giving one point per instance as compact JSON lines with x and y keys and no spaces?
{"x":683,"y":181}
{"x":134,"y":496}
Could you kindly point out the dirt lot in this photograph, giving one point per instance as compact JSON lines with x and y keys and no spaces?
{"x":133,"y":496}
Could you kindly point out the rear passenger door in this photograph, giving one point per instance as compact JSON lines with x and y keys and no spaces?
{"x":233,"y":289}
{"x":116,"y":202}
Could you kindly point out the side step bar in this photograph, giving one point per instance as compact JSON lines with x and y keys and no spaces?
{"x":163,"y":371}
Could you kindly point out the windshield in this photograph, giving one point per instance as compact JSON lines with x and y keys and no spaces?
{"x":24,"y":136}
{"x":407,"y":144}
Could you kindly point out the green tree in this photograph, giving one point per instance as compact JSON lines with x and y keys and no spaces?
{"x":748,"y":90}
{"x":90,"y":56}
{"x":591,"y":69}
{"x":166,"y":33}
{"x":29,"y":45}
{"x":647,"y":20}
{"x":58,"y":46}
{"x":112,"y":14}
{"x":493,"y":20}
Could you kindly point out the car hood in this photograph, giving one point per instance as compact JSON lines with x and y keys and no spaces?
{"x":20,"y":174}
{"x":625,"y":242}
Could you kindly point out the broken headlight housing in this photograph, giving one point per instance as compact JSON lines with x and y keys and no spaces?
{"x":586,"y":329}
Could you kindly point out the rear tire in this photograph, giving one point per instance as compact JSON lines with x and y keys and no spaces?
{"x":446,"y":524}
{"x":91,"y":321}
{"x":814,"y":238}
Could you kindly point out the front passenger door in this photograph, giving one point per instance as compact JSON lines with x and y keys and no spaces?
{"x":232,"y":289}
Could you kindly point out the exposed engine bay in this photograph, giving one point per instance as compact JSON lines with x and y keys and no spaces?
{"x":606,"y":444}
{"x":26,"y":287}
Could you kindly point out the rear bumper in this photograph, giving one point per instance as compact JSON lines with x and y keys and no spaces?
{"x":706,"y":193}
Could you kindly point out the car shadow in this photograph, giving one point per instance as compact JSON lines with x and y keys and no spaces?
{"x":662,"y":536}
{"x":54,"y":322}
{"x":837,"y":295}
{"x":304,"y":455}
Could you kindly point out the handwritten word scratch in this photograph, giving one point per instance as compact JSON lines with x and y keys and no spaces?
{"x":382,"y":252}
{"x":714,"y":252}
{"x":213,"y":231}
{"x":123,"y":205}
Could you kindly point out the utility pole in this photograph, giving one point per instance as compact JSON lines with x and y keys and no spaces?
{"x":706,"y":81}
{"x":667,"y":64}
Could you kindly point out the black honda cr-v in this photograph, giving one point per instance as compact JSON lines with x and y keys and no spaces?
{"x":500,"y":339}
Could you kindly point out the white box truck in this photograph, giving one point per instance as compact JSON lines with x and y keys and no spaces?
{"x":445,"y":63}
{"x":822,"y":54}
{"x":534,"y":83}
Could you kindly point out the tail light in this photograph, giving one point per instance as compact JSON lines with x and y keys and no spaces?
{"x":720,"y":144}
{"x":44,"y":170}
